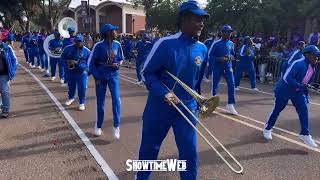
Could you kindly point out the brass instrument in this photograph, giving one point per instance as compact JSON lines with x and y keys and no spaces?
{"x":72,"y":64}
{"x":207,"y":106}
{"x":63,"y":25}
{"x":56,"y":52}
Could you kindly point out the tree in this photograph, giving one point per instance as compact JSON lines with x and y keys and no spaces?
{"x":160,"y":14}
{"x":44,"y":13}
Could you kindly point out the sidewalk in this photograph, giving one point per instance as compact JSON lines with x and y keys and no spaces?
{"x":36,"y":141}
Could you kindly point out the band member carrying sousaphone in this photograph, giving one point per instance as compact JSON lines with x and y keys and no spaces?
{"x":104,"y":63}
{"x":75,"y":58}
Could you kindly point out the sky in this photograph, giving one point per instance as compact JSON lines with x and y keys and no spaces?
{"x":202,"y":1}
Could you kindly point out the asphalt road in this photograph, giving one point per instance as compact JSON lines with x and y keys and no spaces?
{"x":285,"y":157}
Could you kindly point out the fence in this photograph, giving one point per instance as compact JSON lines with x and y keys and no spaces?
{"x":268,"y":69}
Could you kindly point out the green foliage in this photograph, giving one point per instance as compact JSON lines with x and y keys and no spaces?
{"x":160,"y":14}
{"x":44,"y":13}
{"x":270,"y":16}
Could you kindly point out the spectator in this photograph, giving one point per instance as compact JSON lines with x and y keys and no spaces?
{"x":7,"y":73}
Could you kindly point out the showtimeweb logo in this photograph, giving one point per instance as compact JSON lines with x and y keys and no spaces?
{"x":156,"y":165}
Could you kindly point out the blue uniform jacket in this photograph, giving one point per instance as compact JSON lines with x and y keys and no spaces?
{"x":34,"y":44}
{"x":25,"y":42}
{"x":182,"y":56}
{"x":143,"y":48}
{"x":41,"y":39}
{"x":11,"y":60}
{"x":97,"y":62}
{"x":81,"y":55}
{"x":218,"y":49}
{"x":293,"y":57}
{"x":291,"y":83}
{"x":208,"y":42}
{"x":243,"y":57}
{"x":11,"y":36}
{"x":67,"y":42}
{"x":55,"y":43}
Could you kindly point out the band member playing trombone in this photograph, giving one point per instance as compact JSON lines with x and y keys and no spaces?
{"x":221,"y":53}
{"x":104,"y":62}
{"x":75,"y":57}
{"x":293,"y":86}
{"x":55,"y":45}
{"x":185,"y":57}
{"x":245,"y":63}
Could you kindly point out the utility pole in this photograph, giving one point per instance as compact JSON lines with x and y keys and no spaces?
{"x":89,"y":16}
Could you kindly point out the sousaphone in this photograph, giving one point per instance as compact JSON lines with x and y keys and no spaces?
{"x":63,"y":26}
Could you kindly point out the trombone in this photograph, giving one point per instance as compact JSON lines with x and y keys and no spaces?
{"x":207,"y":106}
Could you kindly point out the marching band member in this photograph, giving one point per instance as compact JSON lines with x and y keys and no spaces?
{"x":8,"y":66}
{"x":25,"y":45}
{"x":143,"y":49}
{"x":221,"y":53}
{"x":185,"y":57}
{"x":34,"y":51}
{"x":66,"y":42}
{"x":293,"y":86}
{"x":294,"y":56}
{"x":75,"y":58}
{"x":208,"y":44}
{"x":104,"y":62}
{"x":43,"y":57}
{"x":245,"y":63}
{"x":56,"y":46}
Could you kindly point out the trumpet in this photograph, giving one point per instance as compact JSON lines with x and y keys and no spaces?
{"x":207,"y":106}
{"x":72,"y":64}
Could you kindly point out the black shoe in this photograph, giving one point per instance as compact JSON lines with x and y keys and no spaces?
{"x":5,"y":114}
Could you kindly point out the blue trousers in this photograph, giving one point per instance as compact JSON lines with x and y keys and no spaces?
{"x":32,"y":55}
{"x":300,"y":103}
{"x":53,"y":65}
{"x":26,"y":55}
{"x":66,"y":74}
{"x":155,"y":126}
{"x":5,"y":92}
{"x":101,"y":88}
{"x":228,"y":75}
{"x":248,"y":68}
{"x":44,"y":61}
{"x":138,"y":70}
{"x":209,"y":71}
{"x":78,"y":80}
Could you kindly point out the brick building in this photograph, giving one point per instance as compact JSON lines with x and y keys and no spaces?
{"x":122,"y":13}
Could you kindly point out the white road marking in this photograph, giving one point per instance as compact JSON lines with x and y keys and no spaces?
{"x":128,"y":79}
{"x":97,"y":156}
{"x":263,"y":92}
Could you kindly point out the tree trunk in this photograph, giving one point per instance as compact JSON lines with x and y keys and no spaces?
{"x":28,"y":25}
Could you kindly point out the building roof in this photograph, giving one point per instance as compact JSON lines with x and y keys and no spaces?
{"x":76,"y":3}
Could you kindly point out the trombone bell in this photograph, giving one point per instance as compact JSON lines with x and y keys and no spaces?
{"x":207,"y":106}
